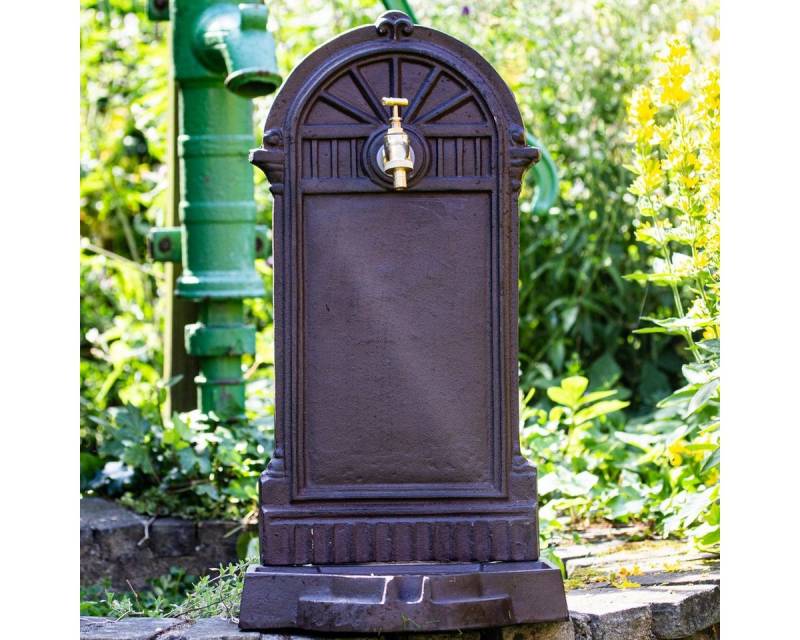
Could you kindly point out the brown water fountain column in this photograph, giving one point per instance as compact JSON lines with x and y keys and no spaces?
{"x":397,"y":498}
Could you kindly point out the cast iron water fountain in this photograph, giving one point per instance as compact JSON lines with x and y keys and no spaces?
{"x":397,"y":498}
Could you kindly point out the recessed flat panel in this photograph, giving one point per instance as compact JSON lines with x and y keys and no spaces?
{"x":397,"y":343}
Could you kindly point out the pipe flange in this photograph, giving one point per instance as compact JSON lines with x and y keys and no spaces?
{"x":372,"y":158}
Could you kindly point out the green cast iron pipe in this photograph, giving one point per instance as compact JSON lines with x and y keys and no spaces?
{"x":545,"y":177}
{"x":401,"y":5}
{"x":223,"y":55}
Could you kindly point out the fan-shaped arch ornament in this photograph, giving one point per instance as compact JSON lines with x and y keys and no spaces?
{"x":396,"y":351}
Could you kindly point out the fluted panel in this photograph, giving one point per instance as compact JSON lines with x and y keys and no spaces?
{"x":439,"y":540}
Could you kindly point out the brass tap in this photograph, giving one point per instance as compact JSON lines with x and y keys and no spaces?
{"x":396,"y":146}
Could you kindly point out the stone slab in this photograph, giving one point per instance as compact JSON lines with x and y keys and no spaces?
{"x":651,"y":554}
{"x":547,"y":631}
{"x":649,"y":563}
{"x":93,"y":628}
{"x":671,"y":612}
{"x":209,"y":629}
{"x":683,"y":610}
{"x":603,"y":615}
{"x":609,"y":623}
{"x":98,"y":514}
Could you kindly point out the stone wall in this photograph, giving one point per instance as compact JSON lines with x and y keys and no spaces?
{"x":126,"y":547}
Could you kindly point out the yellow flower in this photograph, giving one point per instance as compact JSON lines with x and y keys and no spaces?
{"x":641,"y":109}
{"x":677,"y":49}
{"x":689,"y":181}
{"x":676,"y":451}
{"x":672,"y":91}
{"x":664,"y":133}
{"x":710,"y":92}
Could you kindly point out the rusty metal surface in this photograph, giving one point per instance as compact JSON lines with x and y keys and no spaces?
{"x":396,"y":330}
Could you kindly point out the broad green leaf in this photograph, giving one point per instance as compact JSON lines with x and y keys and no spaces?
{"x":676,"y":326}
{"x":171,"y":436}
{"x":556,"y":353}
{"x":661,"y":279}
{"x":568,"y":317}
{"x":187,"y":459}
{"x":695,"y":373}
{"x":599,"y":409}
{"x":561,"y":396}
{"x":243,"y":541}
{"x":681,"y":233}
{"x":604,"y":372}
{"x":570,"y":391}
{"x":182,"y":428}
{"x":594,"y":396}
{"x":642,"y":441}
{"x":650,"y":235}
{"x":577,"y":485}
{"x":701,"y":398}
{"x":207,"y":489}
{"x":138,"y":457}
{"x":622,"y":507}
{"x":711,"y":462}
{"x":711,"y":538}
{"x":648,"y":330}
{"x":701,"y":446}
{"x":547,"y":484}
{"x":575,"y":385}
{"x":709,"y":346}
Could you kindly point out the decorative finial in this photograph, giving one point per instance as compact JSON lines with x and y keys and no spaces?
{"x":395,"y":24}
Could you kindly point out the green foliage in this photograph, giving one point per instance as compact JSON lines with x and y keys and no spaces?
{"x":661,"y":469}
{"x":218,"y":595}
{"x":578,"y":458}
{"x":174,"y":595}
{"x":124,"y":65}
{"x":120,"y":338}
{"x":123,"y":144}
{"x":679,"y":447}
{"x":189,"y":465}
{"x":162,"y":594}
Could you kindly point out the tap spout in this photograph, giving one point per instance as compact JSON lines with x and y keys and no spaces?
{"x":397,"y":158}
{"x":233,"y":40}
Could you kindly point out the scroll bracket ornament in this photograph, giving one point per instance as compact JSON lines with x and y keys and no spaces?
{"x":270,"y":159}
{"x":522,"y":156}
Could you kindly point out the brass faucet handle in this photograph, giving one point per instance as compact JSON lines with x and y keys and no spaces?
{"x":392,"y":102}
{"x":395,"y":104}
